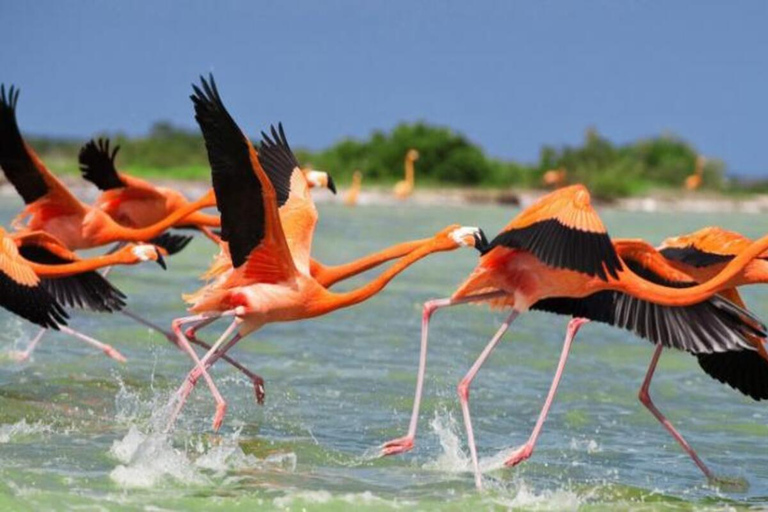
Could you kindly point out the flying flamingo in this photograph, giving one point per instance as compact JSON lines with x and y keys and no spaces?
{"x":702,"y":255}
{"x":134,"y":202}
{"x":39,"y":277}
{"x":559,"y":249}
{"x":403,"y":189}
{"x":270,"y":281}
{"x":52,"y":208}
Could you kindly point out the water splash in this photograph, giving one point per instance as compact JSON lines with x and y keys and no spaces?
{"x":21,"y":430}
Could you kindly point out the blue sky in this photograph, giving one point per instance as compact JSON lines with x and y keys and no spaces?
{"x":510,"y":75}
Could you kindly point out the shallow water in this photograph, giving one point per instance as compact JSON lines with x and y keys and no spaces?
{"x":79,"y":431}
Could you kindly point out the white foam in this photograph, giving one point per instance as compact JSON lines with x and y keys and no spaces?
{"x":527,"y":499}
{"x":366,"y":498}
{"x":21,"y":429}
{"x":149,"y":459}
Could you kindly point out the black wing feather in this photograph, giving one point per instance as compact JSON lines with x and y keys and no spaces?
{"x":237,"y":188}
{"x":32,"y":303}
{"x":88,"y":290}
{"x":744,"y":371}
{"x":97,"y":164}
{"x":560,"y":246}
{"x":715,"y":325}
{"x":14,"y":159}
{"x":694,"y":256}
{"x":278,"y":162}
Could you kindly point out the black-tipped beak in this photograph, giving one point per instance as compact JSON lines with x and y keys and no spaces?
{"x":331,"y":185}
{"x":481,"y":242}
{"x":161,"y":260}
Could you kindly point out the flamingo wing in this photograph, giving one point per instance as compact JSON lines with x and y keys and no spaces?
{"x":715,"y":325}
{"x":87,"y":290}
{"x":706,"y":247}
{"x":564,"y":231}
{"x":97,"y":164}
{"x":246,"y":198}
{"x":23,"y":168}
{"x":298,"y":214}
{"x":21,"y":291}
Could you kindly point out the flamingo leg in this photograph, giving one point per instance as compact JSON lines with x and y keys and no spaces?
{"x":107,"y":349}
{"x":27,"y":352}
{"x":221,"y":405}
{"x":645,"y":398}
{"x":463,"y":391}
{"x":405,"y":443}
{"x":200,"y":369}
{"x":208,"y":232}
{"x":524,"y":452}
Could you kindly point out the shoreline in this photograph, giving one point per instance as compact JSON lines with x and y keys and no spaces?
{"x":666,"y":201}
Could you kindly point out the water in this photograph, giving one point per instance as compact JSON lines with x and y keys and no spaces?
{"x":77,"y":430}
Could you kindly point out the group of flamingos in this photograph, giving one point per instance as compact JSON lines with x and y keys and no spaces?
{"x":554,"y":256}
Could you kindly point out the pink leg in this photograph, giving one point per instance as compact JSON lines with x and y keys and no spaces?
{"x":645,"y":398}
{"x":107,"y":349}
{"x":143,"y":321}
{"x":404,"y":444}
{"x":258,"y":382}
{"x":23,"y":355}
{"x":221,"y":405}
{"x":200,"y":369}
{"x":463,"y":390}
{"x":210,"y":234}
{"x":524,"y":452}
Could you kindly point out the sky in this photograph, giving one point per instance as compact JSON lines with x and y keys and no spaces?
{"x":510,"y":75}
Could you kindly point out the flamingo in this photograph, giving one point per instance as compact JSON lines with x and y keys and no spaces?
{"x":556,"y":255}
{"x":702,"y":255}
{"x":131,"y":201}
{"x":693,"y":182}
{"x":555,"y":178}
{"x":403,"y":189}
{"x":270,"y":280}
{"x":350,"y":198}
{"x":52,"y":208}
{"x":39,"y":277}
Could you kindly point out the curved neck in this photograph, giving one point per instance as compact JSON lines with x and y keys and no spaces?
{"x":409,"y":171}
{"x":330,"y":275}
{"x":630,"y":283}
{"x":122,"y":233}
{"x":78,"y":267}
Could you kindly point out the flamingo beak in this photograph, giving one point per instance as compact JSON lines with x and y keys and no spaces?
{"x":161,"y":260}
{"x":331,"y":185}
{"x":481,"y":242}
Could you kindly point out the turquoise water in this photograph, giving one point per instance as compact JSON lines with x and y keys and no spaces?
{"x":77,"y":430}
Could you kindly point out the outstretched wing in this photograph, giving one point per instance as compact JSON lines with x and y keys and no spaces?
{"x":250,"y":221}
{"x":88,"y":290}
{"x":23,"y":168}
{"x":298,"y":214}
{"x":706,"y":247}
{"x":97,"y":164}
{"x":22,"y":293}
{"x":715,"y":325}
{"x":564,"y":231}
{"x":745,"y":371}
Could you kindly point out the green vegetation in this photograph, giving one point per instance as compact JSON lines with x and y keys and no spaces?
{"x":447,"y":158}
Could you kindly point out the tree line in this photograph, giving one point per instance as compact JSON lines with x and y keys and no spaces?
{"x":447,"y":158}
